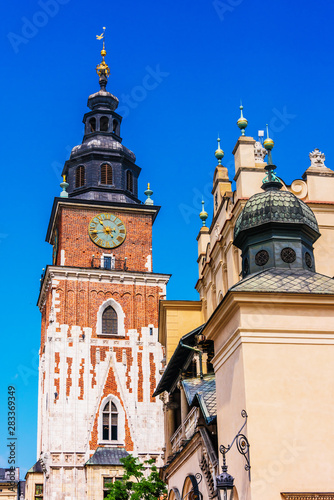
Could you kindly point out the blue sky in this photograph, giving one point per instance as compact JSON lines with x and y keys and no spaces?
{"x":204,"y":57}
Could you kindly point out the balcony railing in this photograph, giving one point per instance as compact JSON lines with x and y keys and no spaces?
{"x":109,"y":262}
{"x":185,"y":431}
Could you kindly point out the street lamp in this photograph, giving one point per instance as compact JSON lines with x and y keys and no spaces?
{"x":225,"y":481}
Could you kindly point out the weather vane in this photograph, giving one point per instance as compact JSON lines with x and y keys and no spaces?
{"x":100,"y":37}
{"x":102,"y":69}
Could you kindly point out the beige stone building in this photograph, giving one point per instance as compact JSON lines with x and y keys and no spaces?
{"x":11,"y":487}
{"x":258,"y":353}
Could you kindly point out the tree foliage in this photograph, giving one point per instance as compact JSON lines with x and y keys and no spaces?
{"x":134,"y":485}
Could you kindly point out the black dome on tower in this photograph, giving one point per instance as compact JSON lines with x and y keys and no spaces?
{"x":275,"y":228}
{"x":101,"y":168}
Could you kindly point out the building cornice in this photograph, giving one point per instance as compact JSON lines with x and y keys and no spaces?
{"x":99,"y":276}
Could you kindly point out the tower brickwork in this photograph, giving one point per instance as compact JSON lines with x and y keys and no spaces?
{"x":100,"y":357}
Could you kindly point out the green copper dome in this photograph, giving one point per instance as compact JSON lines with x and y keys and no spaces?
{"x":274,"y":206}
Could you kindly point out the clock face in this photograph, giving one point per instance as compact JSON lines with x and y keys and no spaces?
{"x":107,"y":230}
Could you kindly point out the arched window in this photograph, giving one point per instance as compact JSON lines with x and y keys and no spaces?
{"x":114,"y":127}
{"x":109,"y":321}
{"x":129,"y":181}
{"x":106,"y":174}
{"x":92,"y":125}
{"x":109,"y":422}
{"x":80,"y":176}
{"x":104,"y":124}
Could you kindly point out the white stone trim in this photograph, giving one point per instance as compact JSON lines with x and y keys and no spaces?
{"x":120,"y":421}
{"x":101,"y":276}
{"x":120,"y":317}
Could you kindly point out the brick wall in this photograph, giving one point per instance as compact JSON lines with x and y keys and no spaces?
{"x":74,"y":238}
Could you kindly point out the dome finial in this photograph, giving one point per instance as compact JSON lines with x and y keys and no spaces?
{"x":148,"y":193}
{"x":64,"y":185}
{"x":219,"y":153}
{"x":102,"y":69}
{"x":203,"y":215}
{"x":242,"y":122}
{"x":271,"y":181}
{"x":268,"y":144}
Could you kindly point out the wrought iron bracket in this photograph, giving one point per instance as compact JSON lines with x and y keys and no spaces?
{"x":197,"y":495}
{"x":242,"y":445}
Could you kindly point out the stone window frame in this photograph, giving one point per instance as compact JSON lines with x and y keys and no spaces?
{"x":113,"y":260}
{"x":120,"y":423}
{"x":112,"y":479}
{"x":120,"y":318}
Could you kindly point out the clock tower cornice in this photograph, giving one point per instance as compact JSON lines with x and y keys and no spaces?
{"x":100,"y":206}
{"x":99,"y":276}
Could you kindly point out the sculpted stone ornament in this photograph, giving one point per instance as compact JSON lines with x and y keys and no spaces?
{"x":259,"y":152}
{"x":317,"y":158}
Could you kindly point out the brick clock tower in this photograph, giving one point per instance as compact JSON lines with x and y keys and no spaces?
{"x":100,"y":357}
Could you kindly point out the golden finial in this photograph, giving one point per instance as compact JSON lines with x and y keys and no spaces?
{"x":64,"y":178}
{"x":102,"y":69}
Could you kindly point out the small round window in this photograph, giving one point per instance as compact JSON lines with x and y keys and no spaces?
{"x":261,"y":258}
{"x":308,"y":260}
{"x":288,"y":255}
{"x":246,"y":266}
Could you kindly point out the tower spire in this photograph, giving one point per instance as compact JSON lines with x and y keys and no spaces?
{"x":271,"y":181}
{"x":242,"y":122}
{"x":219,"y":153}
{"x":103,"y":69}
{"x":203,"y":215}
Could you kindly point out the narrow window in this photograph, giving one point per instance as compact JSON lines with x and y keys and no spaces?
{"x":114,"y":127}
{"x":80,"y":176}
{"x":38,"y":492}
{"x":92,"y":125}
{"x":106,"y":174}
{"x":151,"y":331}
{"x":109,"y":321}
{"x":129,"y":181}
{"x":106,"y":490}
{"x":109,"y":422}
{"x":104,"y":124}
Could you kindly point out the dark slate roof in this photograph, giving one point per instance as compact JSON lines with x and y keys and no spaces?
{"x":274,"y":206}
{"x":36,"y":468}
{"x":202,"y":391}
{"x":22,"y":487}
{"x":5,"y":475}
{"x":276,"y":280}
{"x":177,"y":362}
{"x":107,"y":456}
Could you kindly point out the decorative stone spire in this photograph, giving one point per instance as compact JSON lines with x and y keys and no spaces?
{"x":259,"y":151}
{"x":64,"y":185}
{"x":317,"y":158}
{"x":271,"y":181}
{"x":203,"y":215}
{"x":242,"y":122}
{"x":148,"y":193}
{"x":102,"y":69}
{"x":219,"y":153}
